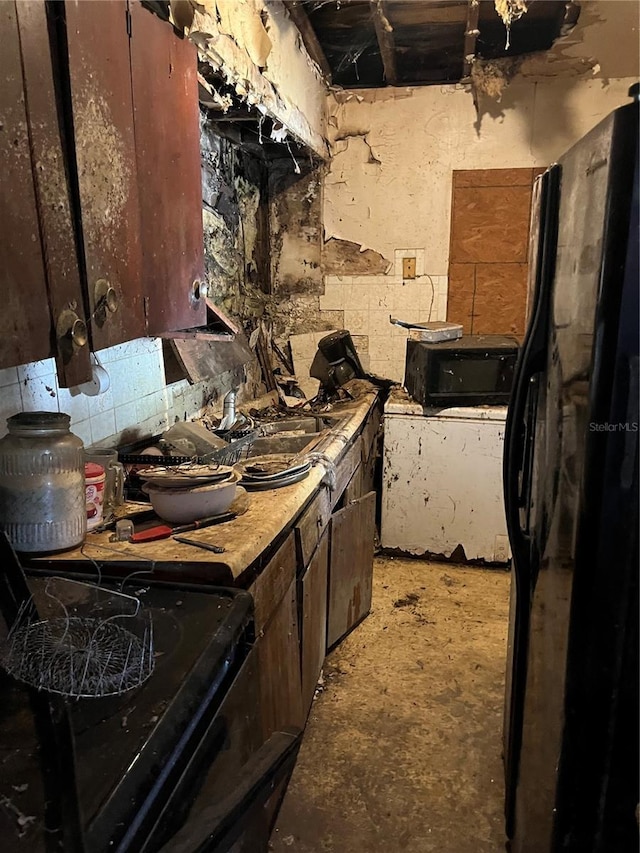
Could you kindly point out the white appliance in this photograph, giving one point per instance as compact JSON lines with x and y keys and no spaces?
{"x":442,"y":481}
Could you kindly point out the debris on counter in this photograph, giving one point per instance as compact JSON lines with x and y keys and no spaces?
{"x":357,"y":388}
{"x":198,"y":435}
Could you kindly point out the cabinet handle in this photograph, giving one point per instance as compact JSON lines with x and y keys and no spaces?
{"x":105,"y":298}
{"x":71,"y":328}
{"x":199,"y":290}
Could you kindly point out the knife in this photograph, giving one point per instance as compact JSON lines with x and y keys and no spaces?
{"x":163,"y":531}
{"x":208,"y":546}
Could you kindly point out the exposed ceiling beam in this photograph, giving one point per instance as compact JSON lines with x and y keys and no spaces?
{"x":309,"y":38}
{"x":384,"y":32}
{"x":470,"y":37}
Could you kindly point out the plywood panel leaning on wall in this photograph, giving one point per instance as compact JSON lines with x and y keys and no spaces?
{"x":488,"y":254}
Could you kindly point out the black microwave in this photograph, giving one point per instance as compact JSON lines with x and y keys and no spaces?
{"x":475,"y":370}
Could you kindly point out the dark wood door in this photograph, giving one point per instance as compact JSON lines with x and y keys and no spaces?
{"x":313,"y":595}
{"x":25,"y":319}
{"x":105,"y":158}
{"x":350,"y":566}
{"x":167,"y":129}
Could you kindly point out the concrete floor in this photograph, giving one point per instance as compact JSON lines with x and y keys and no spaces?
{"x":402,"y":750}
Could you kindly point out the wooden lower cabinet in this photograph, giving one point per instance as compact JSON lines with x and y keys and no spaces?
{"x":279,"y":666}
{"x":313,"y":628}
{"x":350,"y":566}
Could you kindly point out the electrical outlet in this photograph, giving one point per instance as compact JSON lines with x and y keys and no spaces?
{"x":408,"y":268}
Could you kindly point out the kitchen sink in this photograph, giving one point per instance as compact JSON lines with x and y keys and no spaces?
{"x":292,"y":435}
{"x":295,"y":426}
{"x":282,"y":444}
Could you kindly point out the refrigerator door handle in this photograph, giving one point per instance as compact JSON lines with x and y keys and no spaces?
{"x":531,"y":364}
{"x":519,"y":450}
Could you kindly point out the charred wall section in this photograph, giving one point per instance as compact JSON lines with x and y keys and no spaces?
{"x":262,"y":219}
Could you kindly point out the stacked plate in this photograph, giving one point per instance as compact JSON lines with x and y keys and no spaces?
{"x":186,"y":493}
{"x":273,"y":471}
{"x":186,"y":476}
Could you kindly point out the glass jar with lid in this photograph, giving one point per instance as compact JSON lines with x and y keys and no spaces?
{"x":42,"y":488}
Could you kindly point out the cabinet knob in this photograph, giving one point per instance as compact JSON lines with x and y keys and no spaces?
{"x":71,"y":328}
{"x":199,"y":290}
{"x":105,"y":297}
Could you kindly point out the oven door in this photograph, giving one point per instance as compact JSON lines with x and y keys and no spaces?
{"x":223,"y":798}
{"x":242,"y":821}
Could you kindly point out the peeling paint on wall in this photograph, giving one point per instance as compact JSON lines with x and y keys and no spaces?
{"x":348,"y":258}
{"x":421,"y":135}
{"x":603,"y":44}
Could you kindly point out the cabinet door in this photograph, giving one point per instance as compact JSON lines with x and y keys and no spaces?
{"x":279,"y":662}
{"x":25,"y":322}
{"x":313,"y":594}
{"x":68,"y":336}
{"x":167,"y":128}
{"x":311,"y":525}
{"x":105,"y":158}
{"x":350,"y":566}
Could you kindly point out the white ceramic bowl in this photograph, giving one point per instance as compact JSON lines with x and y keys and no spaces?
{"x":182,"y":506}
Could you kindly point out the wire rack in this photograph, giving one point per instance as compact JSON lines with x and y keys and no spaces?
{"x":236,"y":449}
{"x":224,"y":456}
{"x":80,"y":640}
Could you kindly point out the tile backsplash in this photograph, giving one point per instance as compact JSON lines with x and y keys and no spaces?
{"x":137,"y":404}
{"x":364,"y":304}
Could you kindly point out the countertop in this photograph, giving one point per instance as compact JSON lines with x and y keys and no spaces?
{"x":400,"y":403}
{"x":245,"y":538}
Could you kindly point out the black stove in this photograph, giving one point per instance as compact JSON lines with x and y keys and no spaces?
{"x":134,"y":772}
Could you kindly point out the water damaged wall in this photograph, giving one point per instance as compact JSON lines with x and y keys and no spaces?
{"x":388,"y":190}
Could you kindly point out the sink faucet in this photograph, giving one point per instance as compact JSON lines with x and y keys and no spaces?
{"x":228,"y":410}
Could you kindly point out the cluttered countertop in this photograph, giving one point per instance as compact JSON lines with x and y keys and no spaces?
{"x":261,"y":520}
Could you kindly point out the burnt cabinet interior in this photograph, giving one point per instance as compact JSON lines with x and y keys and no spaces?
{"x":101,"y":185}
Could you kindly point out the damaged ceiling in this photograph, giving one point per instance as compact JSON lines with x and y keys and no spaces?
{"x":376,"y":43}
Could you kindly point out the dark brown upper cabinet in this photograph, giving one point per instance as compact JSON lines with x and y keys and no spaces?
{"x":43,"y":312}
{"x":104,"y":149}
{"x":102,"y":234}
{"x":167,"y":126}
{"x":134,"y":95}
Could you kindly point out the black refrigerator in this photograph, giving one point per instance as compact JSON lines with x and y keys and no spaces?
{"x":571,"y":496}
